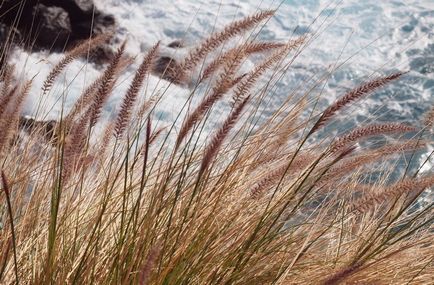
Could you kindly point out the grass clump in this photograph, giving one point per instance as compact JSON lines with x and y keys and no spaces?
{"x":258,"y":202}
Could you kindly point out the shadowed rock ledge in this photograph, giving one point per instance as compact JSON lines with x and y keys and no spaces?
{"x":54,"y":25}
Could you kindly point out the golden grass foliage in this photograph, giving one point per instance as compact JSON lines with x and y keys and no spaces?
{"x":256,"y":203}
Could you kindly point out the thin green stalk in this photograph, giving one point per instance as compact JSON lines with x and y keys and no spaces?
{"x":11,"y":221}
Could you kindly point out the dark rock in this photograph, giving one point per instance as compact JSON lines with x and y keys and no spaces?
{"x":55,"y":24}
{"x":8,"y":37}
{"x":46,"y":128}
{"x":4,"y":31}
{"x":176,"y":44}
{"x":167,"y":68}
{"x":101,"y":54}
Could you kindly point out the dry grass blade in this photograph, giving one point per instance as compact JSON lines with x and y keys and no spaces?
{"x":4,"y":253}
{"x":156,"y":134}
{"x":288,"y":126}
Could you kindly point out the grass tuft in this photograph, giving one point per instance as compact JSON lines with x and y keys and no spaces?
{"x":257,"y":200}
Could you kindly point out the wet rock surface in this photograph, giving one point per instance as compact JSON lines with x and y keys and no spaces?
{"x":166,"y":66}
{"x":45,"y":128}
{"x":54,"y":25}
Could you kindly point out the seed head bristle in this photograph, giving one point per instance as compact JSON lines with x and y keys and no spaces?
{"x":348,"y":166}
{"x":353,"y":95}
{"x":371,"y":130}
{"x":429,"y":118}
{"x":217,"y":39}
{"x":6,"y":99}
{"x":86,"y":97}
{"x":7,"y":127}
{"x":76,"y":52}
{"x":219,"y":137}
{"x":107,"y":84}
{"x":248,"y":49}
{"x":224,"y":83}
{"x":297,"y":165}
{"x":410,"y":185}
{"x":131,"y":95}
{"x":150,"y":261}
{"x":6,"y":78}
{"x":251,"y":78}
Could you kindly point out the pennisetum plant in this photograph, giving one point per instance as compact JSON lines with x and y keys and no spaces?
{"x":256,"y":202}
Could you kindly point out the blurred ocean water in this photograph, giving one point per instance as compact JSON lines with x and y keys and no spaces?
{"x":367,"y":38}
{"x":362,"y":38}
